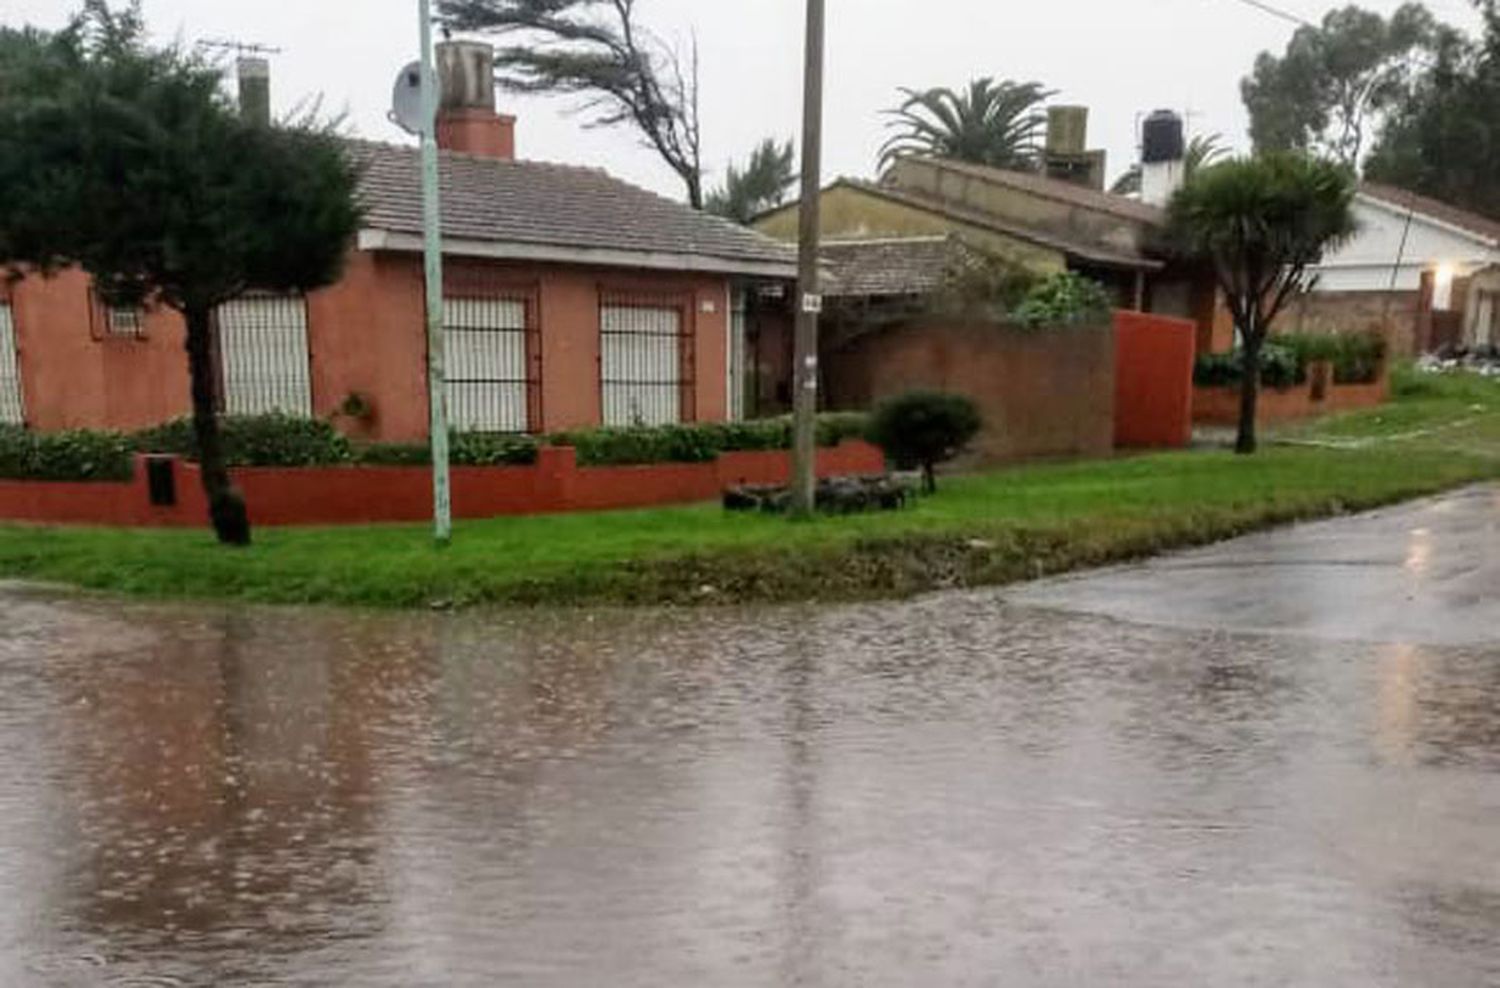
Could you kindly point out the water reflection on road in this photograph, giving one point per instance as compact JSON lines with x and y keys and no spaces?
{"x":950,"y":791}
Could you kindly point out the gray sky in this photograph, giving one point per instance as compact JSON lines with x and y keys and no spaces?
{"x":1119,"y":57}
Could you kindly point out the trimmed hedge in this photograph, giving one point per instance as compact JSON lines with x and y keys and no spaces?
{"x":1357,"y":358}
{"x":284,"y":441}
{"x":1280,"y":368}
{"x":78,"y":455}
{"x":699,"y":443}
{"x":255,"y":441}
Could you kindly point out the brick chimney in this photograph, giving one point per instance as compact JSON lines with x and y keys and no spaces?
{"x":467,"y":121}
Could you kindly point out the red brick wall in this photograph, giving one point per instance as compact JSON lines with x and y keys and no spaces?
{"x":368,"y":495}
{"x":1394,"y":315}
{"x":365,"y":334}
{"x":1221,"y":406}
{"x":1042,"y":393}
{"x":1153,"y":380}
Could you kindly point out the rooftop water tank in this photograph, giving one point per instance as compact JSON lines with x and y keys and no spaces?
{"x":1162,"y":138}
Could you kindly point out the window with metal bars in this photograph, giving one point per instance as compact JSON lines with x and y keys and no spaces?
{"x":12,"y":409}
{"x":646,"y":359}
{"x":492,"y":358}
{"x":263,"y":356}
{"x":118,"y":322}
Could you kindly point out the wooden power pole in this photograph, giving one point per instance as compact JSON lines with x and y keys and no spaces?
{"x":809,"y":297}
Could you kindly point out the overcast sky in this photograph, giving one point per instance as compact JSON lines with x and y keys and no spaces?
{"x":1121,"y":58}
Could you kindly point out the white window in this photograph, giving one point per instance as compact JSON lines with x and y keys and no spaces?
{"x":641,"y":364}
{"x":488,"y":373}
{"x":12,"y":412}
{"x":263,"y":349}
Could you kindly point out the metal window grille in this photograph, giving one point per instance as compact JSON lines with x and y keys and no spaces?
{"x":738,"y":322}
{"x":125,"y":322}
{"x":491,"y":372}
{"x":12,"y":410}
{"x":645,"y":361}
{"x":264,"y":357}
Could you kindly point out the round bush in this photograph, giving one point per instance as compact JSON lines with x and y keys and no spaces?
{"x":923,"y":429}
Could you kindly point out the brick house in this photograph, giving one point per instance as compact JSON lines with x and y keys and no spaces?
{"x":573,"y":299}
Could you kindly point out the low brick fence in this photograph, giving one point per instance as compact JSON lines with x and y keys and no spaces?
{"x":1221,"y":406}
{"x":370,"y":495}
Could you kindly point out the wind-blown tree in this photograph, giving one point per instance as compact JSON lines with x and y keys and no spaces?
{"x":1332,"y":86}
{"x":597,"y":50}
{"x":999,"y":124}
{"x":130,"y":163}
{"x":1262,"y":223}
{"x":1202,"y":150}
{"x":1444,"y":141}
{"x":761,"y":185}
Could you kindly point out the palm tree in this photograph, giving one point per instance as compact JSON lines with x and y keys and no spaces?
{"x":992,"y":123}
{"x":1201,"y":150}
{"x":1262,"y":223}
{"x":761,"y":185}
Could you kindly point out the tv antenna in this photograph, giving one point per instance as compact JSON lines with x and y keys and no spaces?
{"x":240,"y":49}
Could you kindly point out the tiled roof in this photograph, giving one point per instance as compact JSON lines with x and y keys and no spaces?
{"x":892,"y":267}
{"x":1053,"y":188}
{"x":1072,"y":247}
{"x":1480,"y":226}
{"x":553,"y":206}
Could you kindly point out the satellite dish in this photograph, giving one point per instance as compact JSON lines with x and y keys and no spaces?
{"x":406,"y":100}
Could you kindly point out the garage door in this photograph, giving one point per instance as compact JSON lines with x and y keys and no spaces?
{"x":264,"y":354}
{"x":12,"y":412}
{"x":641,"y":359}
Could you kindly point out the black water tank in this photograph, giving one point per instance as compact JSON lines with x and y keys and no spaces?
{"x":1162,"y":138}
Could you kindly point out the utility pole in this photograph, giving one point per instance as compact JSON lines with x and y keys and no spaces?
{"x":809,"y":297}
{"x":432,"y":248}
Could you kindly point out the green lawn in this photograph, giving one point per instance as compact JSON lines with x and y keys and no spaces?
{"x":978,"y":530}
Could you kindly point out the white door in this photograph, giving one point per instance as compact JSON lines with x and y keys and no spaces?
{"x":263,"y":348}
{"x":12,"y":410}
{"x":487,"y":372}
{"x":640,"y":365}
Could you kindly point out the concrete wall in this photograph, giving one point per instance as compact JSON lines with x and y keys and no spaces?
{"x":1042,"y":393}
{"x":365,"y":335}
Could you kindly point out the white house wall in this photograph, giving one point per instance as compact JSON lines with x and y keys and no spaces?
{"x":1365,"y":264}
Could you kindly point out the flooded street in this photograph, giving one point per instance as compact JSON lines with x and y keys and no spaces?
{"x":1275,"y":762}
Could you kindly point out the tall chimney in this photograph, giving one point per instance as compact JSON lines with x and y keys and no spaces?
{"x":1163,"y":157}
{"x":255,"y":90}
{"x":467,"y":120}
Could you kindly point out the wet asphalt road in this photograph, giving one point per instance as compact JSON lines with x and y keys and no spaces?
{"x":1274,"y":762}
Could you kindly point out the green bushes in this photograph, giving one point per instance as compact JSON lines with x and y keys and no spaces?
{"x":923,"y":429}
{"x":1357,"y":358}
{"x":255,"y":441}
{"x":699,"y":443}
{"x":1279,"y":368}
{"x":66,"y":456}
{"x":1065,"y":299}
{"x":284,"y":441}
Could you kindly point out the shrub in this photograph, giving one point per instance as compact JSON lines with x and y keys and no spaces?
{"x":273,"y":440}
{"x":699,"y":443}
{"x":923,"y":429}
{"x":471,"y":449}
{"x":1065,"y":299}
{"x":1357,"y":358}
{"x":1280,"y":368}
{"x":65,"y":456}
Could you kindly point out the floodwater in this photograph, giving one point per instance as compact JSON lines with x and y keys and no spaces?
{"x":1271,"y":763}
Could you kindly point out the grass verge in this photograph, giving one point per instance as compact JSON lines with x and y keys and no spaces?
{"x":983,"y":529}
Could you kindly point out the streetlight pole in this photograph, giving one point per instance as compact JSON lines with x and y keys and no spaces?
{"x":432,"y":249}
{"x":809,"y":298}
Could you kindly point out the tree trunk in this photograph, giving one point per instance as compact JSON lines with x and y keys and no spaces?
{"x":226,"y":506}
{"x":1246,"y":443}
{"x":929,"y":477}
